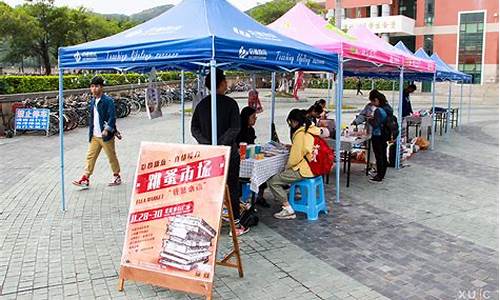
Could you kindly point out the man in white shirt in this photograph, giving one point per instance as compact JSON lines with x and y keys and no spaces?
{"x":102,"y":131}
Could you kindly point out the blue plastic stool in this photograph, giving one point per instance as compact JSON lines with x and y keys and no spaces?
{"x":246,"y":193}
{"x":313,"y":197}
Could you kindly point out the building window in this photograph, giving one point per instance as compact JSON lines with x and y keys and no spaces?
{"x":429,"y":12}
{"x":470,"y":44}
{"x":358,"y":12}
{"x":408,"y":8}
{"x":429,"y":44}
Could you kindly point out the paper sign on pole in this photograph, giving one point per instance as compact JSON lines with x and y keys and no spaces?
{"x":153,"y":97}
{"x":174,"y":217}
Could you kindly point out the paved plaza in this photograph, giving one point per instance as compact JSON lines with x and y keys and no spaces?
{"x":430,"y":231}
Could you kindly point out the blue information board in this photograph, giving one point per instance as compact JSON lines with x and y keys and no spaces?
{"x":32,"y":119}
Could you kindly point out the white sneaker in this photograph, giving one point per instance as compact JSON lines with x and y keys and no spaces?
{"x":286,"y":213}
{"x":117,"y":180}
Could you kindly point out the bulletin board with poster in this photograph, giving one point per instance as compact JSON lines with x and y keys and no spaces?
{"x":174,"y":216}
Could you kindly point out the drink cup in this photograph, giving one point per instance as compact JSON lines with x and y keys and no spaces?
{"x":243,"y":150}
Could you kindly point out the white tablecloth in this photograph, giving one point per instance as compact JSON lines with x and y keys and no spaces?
{"x":347,"y":143}
{"x":259,"y":171}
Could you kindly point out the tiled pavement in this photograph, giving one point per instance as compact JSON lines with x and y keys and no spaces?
{"x":429,"y":232}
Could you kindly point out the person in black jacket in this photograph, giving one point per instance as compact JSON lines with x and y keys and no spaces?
{"x":228,"y":128}
{"x":407,"y":109}
{"x":379,"y":136}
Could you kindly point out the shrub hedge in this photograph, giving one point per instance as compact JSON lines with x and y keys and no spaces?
{"x":10,"y":84}
{"x":351,"y":83}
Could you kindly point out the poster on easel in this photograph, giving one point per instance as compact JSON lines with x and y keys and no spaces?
{"x":174,"y":217}
{"x":153,"y":97}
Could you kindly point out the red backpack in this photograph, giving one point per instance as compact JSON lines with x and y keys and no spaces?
{"x":322,"y":160}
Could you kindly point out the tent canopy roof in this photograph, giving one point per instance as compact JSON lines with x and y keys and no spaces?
{"x":192,"y":33}
{"x":456,"y":75}
{"x":303,"y":24}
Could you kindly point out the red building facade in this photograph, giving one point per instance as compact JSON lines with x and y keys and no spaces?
{"x":463,"y":32}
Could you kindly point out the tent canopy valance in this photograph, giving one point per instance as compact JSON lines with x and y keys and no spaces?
{"x":192,"y":33}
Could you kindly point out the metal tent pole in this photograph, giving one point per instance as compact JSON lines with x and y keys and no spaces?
{"x":329,"y":94}
{"x":393,"y":93}
{"x":338,"y":112}
{"x":198,"y":83}
{"x":183,"y":108}
{"x":460,"y":106}
{"x":254,"y":83}
{"x":433,"y":128}
{"x":61,"y":135}
{"x":373,"y":84}
{"x":400,"y":114}
{"x":273,"y":102}
{"x":470,"y":103}
{"x":448,"y":111}
{"x":213,"y":96}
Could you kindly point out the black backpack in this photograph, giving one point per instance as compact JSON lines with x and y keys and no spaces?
{"x":249,"y":217}
{"x":390,"y":128}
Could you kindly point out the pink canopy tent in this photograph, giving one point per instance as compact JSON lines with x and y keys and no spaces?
{"x":411,"y":62}
{"x":304,"y":25}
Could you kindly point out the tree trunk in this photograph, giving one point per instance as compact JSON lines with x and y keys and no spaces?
{"x":46,"y":58}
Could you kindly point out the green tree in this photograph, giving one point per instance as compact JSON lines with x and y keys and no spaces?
{"x":18,"y":33}
{"x":273,"y":10}
{"x":49,"y":31}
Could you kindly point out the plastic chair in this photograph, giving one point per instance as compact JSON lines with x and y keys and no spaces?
{"x":312,"y":199}
{"x":246,"y":193}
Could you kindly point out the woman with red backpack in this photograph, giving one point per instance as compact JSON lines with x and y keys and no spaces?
{"x":302,"y":133}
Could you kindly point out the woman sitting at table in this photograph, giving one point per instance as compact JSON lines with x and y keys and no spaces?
{"x":248,"y":118}
{"x":297,"y":168}
{"x":314,"y":113}
{"x":322,"y":103}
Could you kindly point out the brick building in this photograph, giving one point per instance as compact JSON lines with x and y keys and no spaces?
{"x":463,"y":32}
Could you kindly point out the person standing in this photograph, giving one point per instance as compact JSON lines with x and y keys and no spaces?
{"x":359,"y":84}
{"x":407,"y":109}
{"x":379,"y":137}
{"x":102,"y":131}
{"x":228,"y":129}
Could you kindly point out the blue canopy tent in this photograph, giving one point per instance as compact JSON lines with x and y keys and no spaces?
{"x":442,"y":74}
{"x":458,"y":77}
{"x":194,"y":35}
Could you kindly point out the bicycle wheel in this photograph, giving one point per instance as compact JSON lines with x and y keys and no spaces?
{"x":135,"y":106}
{"x":53,"y":124}
{"x":73,"y":118}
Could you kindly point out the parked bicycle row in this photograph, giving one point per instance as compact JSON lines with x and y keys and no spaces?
{"x":76,"y":107}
